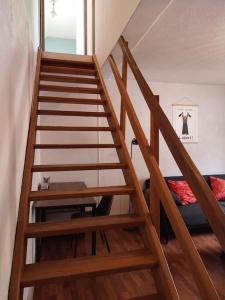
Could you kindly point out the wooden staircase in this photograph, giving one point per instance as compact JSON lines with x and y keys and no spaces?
{"x":85,"y":70}
{"x":25,"y":275}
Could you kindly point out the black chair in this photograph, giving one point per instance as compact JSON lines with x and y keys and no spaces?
{"x":104,"y":206}
{"x":103,"y":209}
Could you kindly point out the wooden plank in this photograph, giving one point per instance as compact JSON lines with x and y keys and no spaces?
{"x":74,"y":128}
{"x":72,"y":113}
{"x":88,"y":192}
{"x":67,"y":100}
{"x":74,"y":146}
{"x":70,"y":79}
{"x":19,"y":254}
{"x":54,"y":271}
{"x":200,"y":274}
{"x":85,"y":224}
{"x":202,"y":191}
{"x":71,"y":58}
{"x":67,"y":70}
{"x":139,"y":204}
{"x":69,"y":89}
{"x":77,"y":167}
{"x":154,"y":199}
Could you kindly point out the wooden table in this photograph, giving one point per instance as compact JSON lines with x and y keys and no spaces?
{"x":41,"y":207}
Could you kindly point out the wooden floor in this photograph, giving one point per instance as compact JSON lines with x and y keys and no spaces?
{"x":134,"y":284}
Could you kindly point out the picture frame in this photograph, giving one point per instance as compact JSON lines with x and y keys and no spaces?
{"x":185,"y":122}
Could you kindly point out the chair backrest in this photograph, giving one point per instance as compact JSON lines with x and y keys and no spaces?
{"x":104,"y":207}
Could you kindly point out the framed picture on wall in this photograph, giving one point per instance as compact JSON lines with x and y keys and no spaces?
{"x":185,"y":122}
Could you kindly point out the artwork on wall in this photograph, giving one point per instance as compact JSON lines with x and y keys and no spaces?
{"x":185,"y":122}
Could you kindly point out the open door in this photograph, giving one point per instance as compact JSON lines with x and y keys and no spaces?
{"x":63,"y":26}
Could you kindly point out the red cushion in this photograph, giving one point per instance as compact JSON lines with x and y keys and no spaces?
{"x":182,"y":189}
{"x":218,"y":187}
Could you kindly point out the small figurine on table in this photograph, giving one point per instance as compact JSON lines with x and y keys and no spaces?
{"x":44,"y":185}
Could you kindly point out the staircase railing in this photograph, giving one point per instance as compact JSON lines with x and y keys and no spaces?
{"x":185,"y":163}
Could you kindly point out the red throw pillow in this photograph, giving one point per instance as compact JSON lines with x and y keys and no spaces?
{"x":182,"y":189}
{"x":218,"y":187}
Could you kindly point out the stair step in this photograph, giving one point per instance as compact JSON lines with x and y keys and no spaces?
{"x":74,"y":128}
{"x":69,"y":89}
{"x":72,"y":113}
{"x":80,"y":225}
{"x":74,"y":146}
{"x":54,"y":271}
{"x":78,"y":193}
{"x":67,"y":70}
{"x":78,"y":167}
{"x":51,"y":61}
{"x":58,"y":78}
{"x":71,"y":100}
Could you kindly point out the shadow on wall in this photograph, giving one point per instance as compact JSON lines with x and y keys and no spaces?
{"x":16,"y":86}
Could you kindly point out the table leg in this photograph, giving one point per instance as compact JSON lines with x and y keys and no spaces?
{"x":40,"y":216}
{"x":37,"y":241}
{"x":93,"y":246}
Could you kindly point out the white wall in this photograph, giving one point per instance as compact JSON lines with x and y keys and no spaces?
{"x":111,"y":17}
{"x":89,"y":27}
{"x":208,"y":153}
{"x":19,"y":31}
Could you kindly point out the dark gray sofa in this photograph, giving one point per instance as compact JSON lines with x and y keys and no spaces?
{"x":192,"y":214}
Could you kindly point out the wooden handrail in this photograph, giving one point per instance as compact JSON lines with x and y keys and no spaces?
{"x":197,"y":183}
{"x":142,"y":209}
{"x":19,"y":258}
{"x":122,"y":108}
{"x":202,"y":279}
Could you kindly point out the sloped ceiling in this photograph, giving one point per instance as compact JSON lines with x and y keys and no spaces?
{"x":179,"y":40}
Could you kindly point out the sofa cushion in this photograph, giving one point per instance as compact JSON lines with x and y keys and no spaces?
{"x":218,"y":187}
{"x":182,"y":189}
{"x":193,"y":215}
{"x":176,"y":198}
{"x":222,"y":205}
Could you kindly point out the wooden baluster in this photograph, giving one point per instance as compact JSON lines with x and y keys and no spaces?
{"x":122,"y":109}
{"x":154,"y":202}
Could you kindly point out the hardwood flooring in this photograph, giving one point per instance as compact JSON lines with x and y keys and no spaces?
{"x":132,"y":285}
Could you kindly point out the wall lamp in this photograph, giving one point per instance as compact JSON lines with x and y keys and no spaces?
{"x":134,"y":142}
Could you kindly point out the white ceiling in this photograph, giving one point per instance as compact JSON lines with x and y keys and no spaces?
{"x":179,"y":40}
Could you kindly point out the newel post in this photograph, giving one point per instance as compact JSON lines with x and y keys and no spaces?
{"x":122,"y":109}
{"x":154,"y":200}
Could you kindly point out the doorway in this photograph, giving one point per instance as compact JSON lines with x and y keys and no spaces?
{"x":63,"y":26}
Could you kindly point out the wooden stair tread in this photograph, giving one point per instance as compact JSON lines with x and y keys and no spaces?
{"x":85,"y":60}
{"x":85,"y":224}
{"x":58,"y":78}
{"x":78,"y":167}
{"x":74,"y":146}
{"x":69,"y":89}
{"x":72,"y":113}
{"x":78,"y":193}
{"x":53,"y":271}
{"x":74,"y":128}
{"x":67,"y":70}
{"x":47,"y":99}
